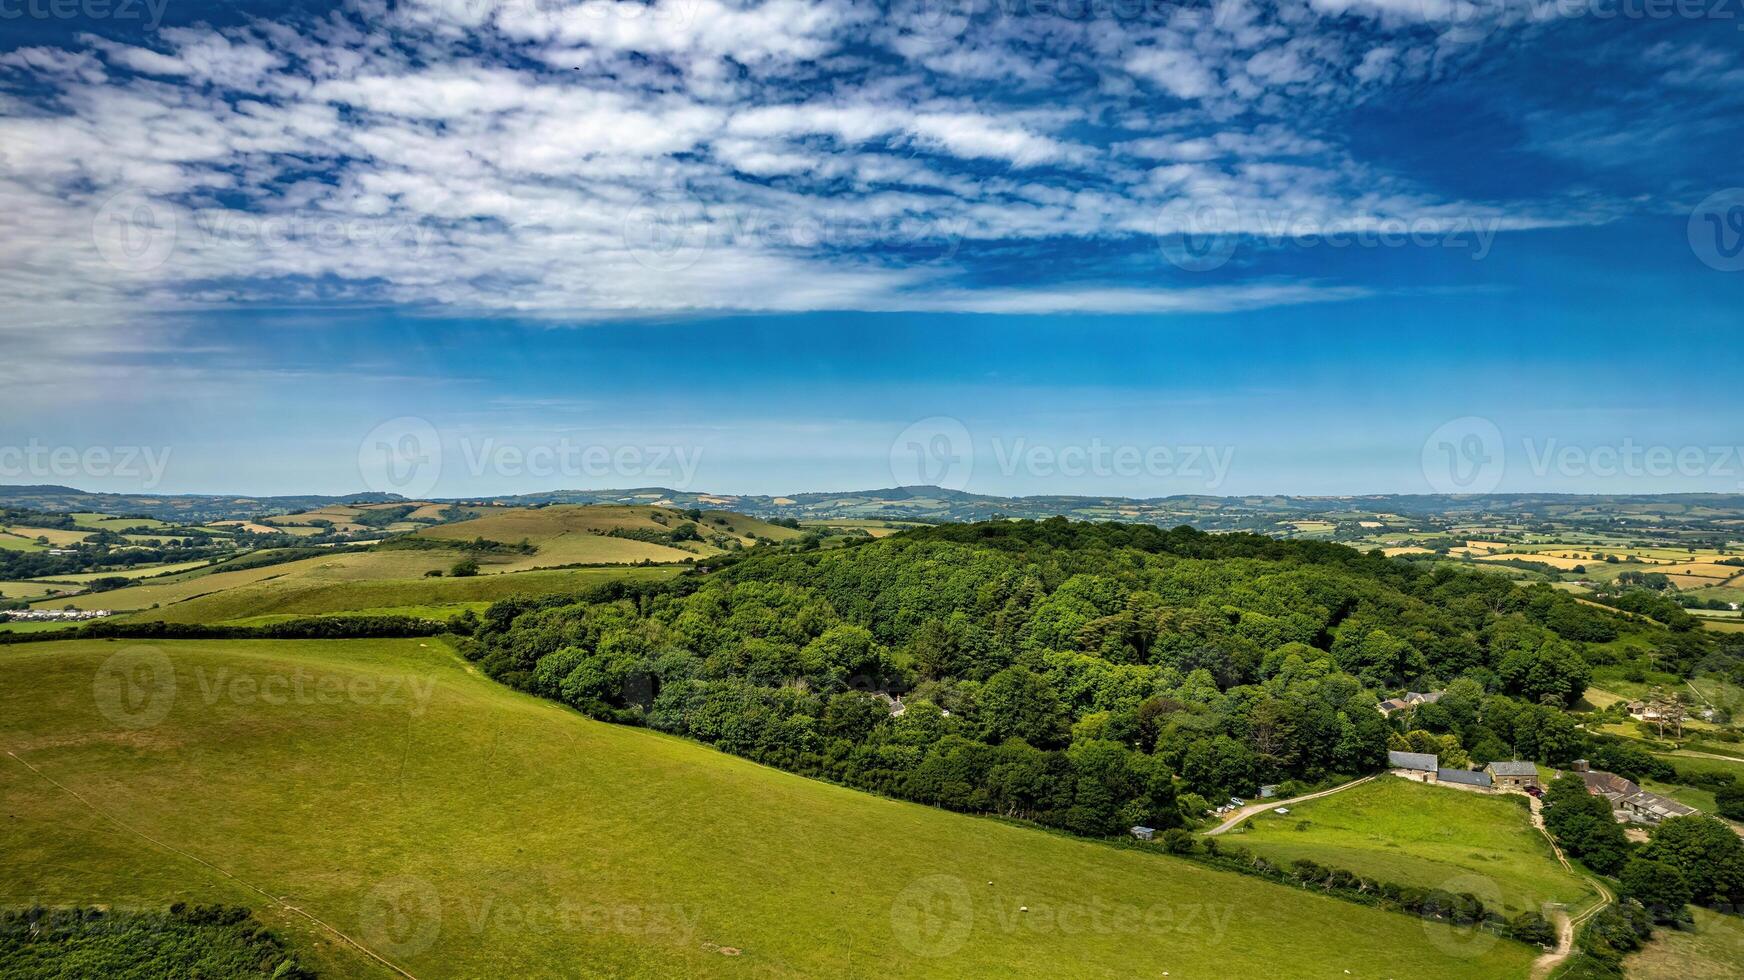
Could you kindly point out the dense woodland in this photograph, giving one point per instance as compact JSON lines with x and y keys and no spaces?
{"x":1089,"y":676}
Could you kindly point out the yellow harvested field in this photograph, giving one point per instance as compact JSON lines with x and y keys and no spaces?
{"x":1404,"y":550}
{"x":56,"y":537}
{"x":1566,"y":564}
{"x":249,"y":526}
{"x":357,"y":566}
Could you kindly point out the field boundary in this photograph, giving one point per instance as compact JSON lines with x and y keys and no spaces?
{"x":341,"y":936}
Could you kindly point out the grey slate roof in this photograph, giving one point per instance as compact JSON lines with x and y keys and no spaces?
{"x":1659,"y":807}
{"x":1511,"y":769}
{"x":1465,"y":776}
{"x":1419,"y":761}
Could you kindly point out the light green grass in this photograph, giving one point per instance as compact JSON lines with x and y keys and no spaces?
{"x":18,"y":542}
{"x":49,"y":627}
{"x":32,"y":590}
{"x":516,"y":838}
{"x":1712,"y":949}
{"x":1695,"y":796}
{"x":109,"y":522}
{"x":1433,"y":837}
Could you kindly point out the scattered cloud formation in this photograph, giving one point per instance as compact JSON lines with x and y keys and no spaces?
{"x":615,"y":158}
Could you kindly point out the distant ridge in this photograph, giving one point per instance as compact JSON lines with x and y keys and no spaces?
{"x":928,"y":504}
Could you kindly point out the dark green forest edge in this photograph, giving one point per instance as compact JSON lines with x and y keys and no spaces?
{"x":1091,"y":677}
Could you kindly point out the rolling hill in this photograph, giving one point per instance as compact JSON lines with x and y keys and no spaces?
{"x":383,"y":792}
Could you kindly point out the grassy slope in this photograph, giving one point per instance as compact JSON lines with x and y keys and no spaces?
{"x":1713,"y":950}
{"x":565,"y":535}
{"x":571,"y":534}
{"x":489,"y":806}
{"x":347,"y":567}
{"x":312,"y":597}
{"x":1428,"y":836}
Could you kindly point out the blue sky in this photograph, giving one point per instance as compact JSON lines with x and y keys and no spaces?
{"x":773,"y":247}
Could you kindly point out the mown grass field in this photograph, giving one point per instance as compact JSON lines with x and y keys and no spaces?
{"x":32,"y":590}
{"x":1712,"y":950}
{"x":461,"y":829}
{"x":1432,"y":837}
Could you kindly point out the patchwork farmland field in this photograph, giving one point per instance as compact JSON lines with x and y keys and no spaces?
{"x":458,"y":828}
{"x":1432,"y":837}
{"x":574,"y":535}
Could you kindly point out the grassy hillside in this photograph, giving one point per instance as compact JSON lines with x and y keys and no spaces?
{"x":1427,"y":836}
{"x":436,"y":597}
{"x":462,"y":829}
{"x":570,"y":535}
{"x":345,"y":567}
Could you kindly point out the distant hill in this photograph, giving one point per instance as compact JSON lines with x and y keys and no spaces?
{"x":179,"y":508}
{"x":1264,"y":513}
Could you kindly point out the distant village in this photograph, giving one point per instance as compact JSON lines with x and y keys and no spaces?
{"x":52,"y":615}
{"x":1629,"y":802}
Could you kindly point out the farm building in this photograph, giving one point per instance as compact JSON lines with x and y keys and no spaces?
{"x":1411,"y":699}
{"x":1144,"y":833}
{"x":1646,"y":807}
{"x":1414,"y":765}
{"x":1513,"y":775}
{"x":1464,"y":777}
{"x":1628,"y":800}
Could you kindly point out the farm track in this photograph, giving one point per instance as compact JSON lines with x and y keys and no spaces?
{"x":1253,"y":809}
{"x":1565,"y":923}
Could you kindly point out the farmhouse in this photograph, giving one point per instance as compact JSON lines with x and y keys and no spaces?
{"x":1643,"y":711}
{"x":1513,"y":775}
{"x":1411,"y":699}
{"x":1420,"y":766}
